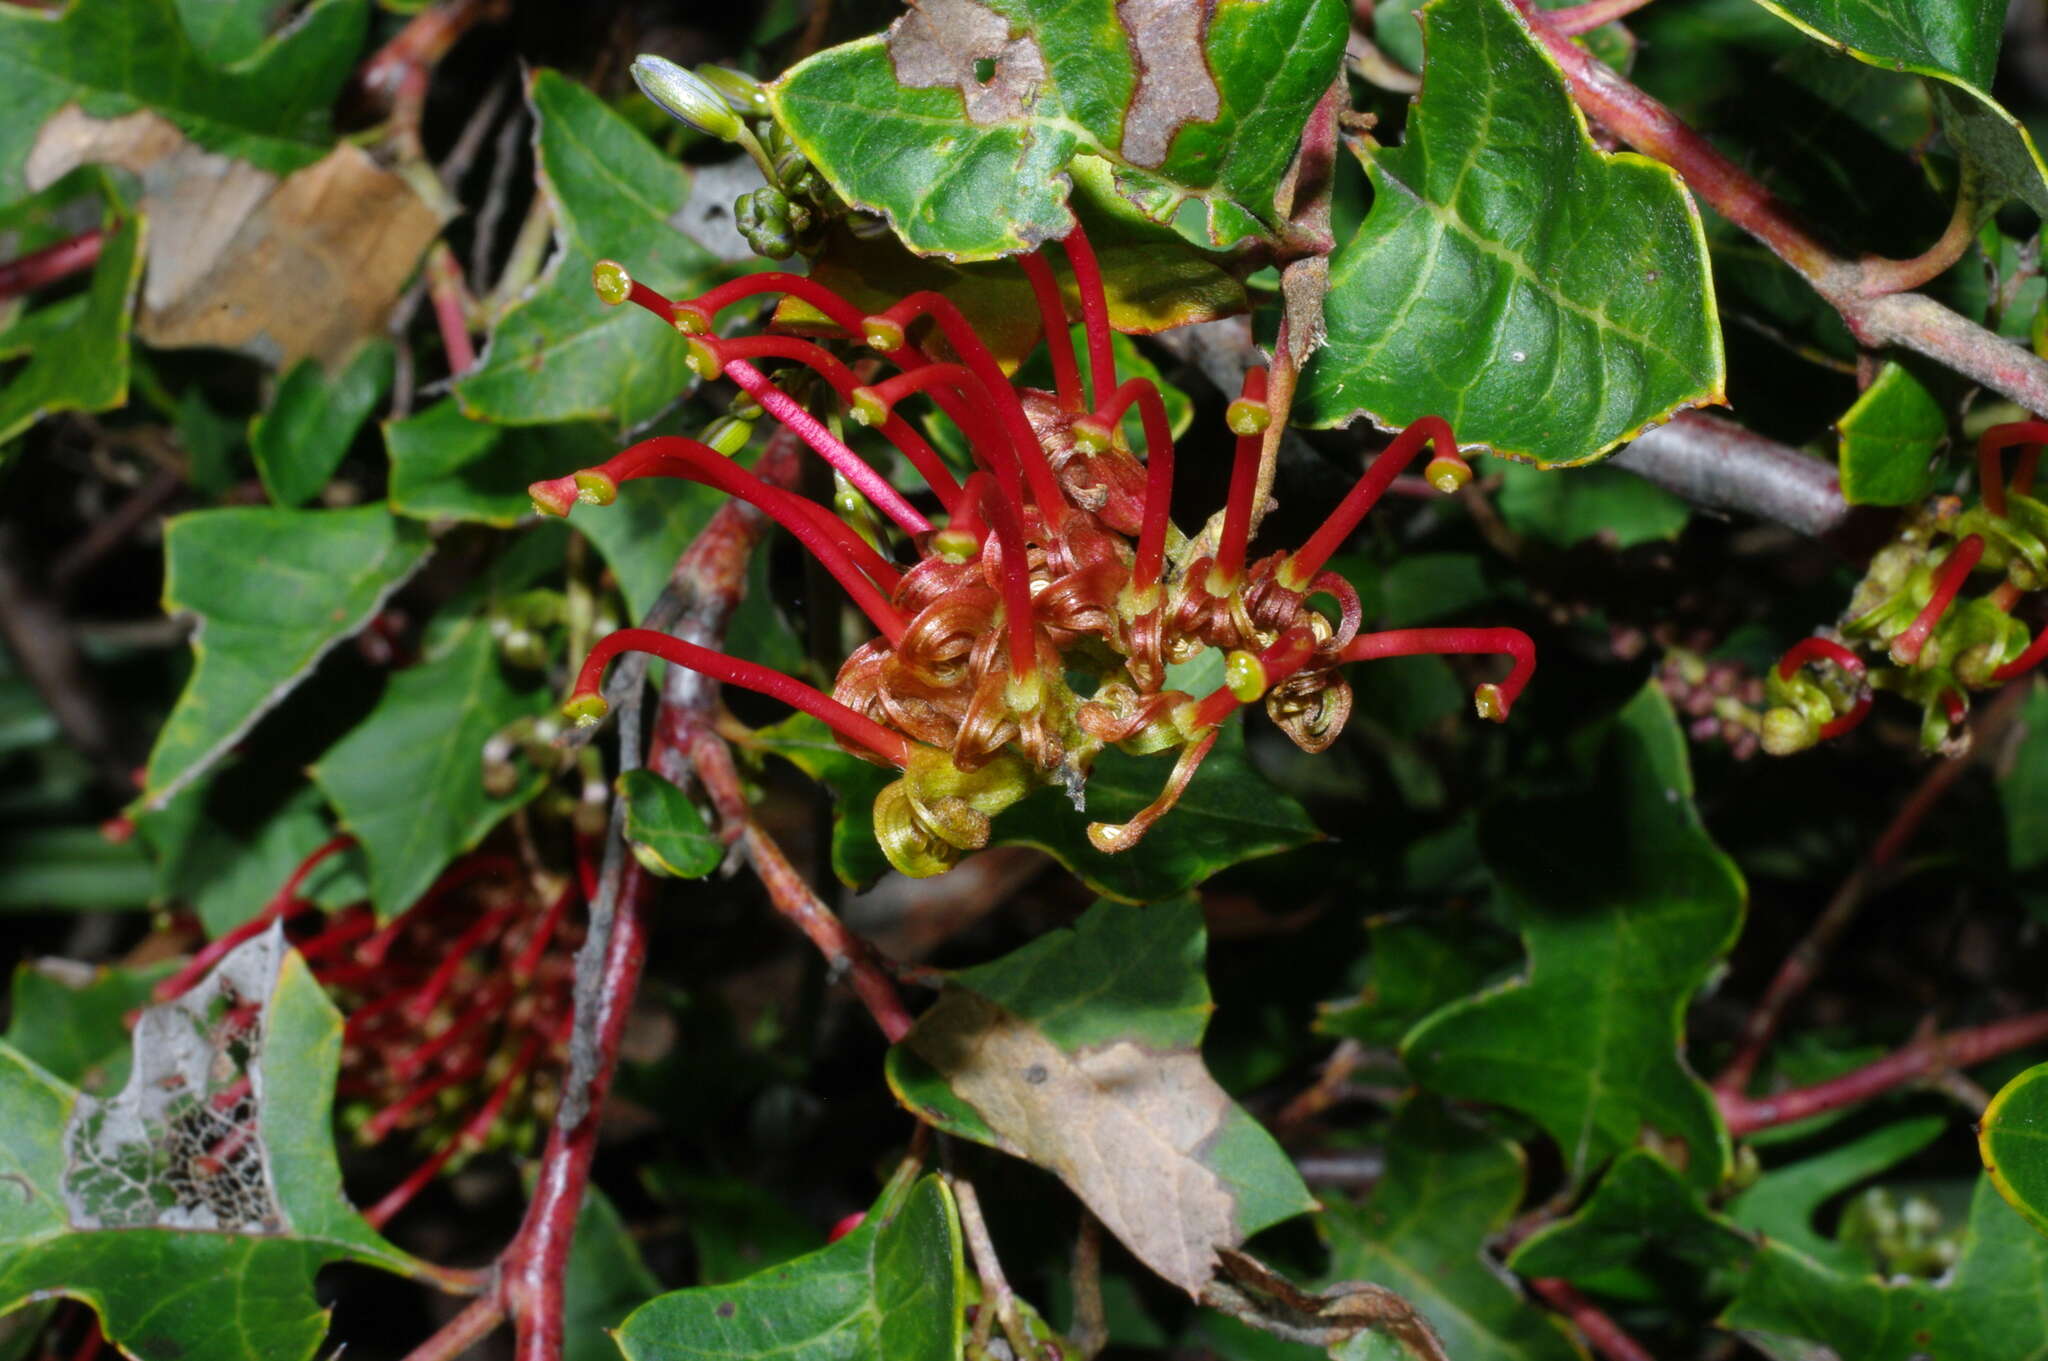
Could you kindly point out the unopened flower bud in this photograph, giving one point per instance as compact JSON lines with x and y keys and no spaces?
{"x":686,"y":96}
{"x":1787,"y":730}
{"x":741,"y":92}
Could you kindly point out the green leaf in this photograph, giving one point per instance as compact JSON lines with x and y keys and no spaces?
{"x":72,"y":1021}
{"x":895,"y":1287}
{"x":1955,"y":44}
{"x":301,"y":439}
{"x":1889,"y":438}
{"x":446,"y":466}
{"x":2013,"y":1139}
{"x":1229,"y":814}
{"x":123,"y":1201}
{"x":965,"y":156}
{"x":661,"y":820}
{"x":1418,"y":966}
{"x":1625,"y":906}
{"x":76,"y":349}
{"x":613,"y":193}
{"x":1548,"y":299}
{"x":408,"y":781}
{"x":806,"y":743}
{"x":273,"y":590}
{"x":114,"y":57}
{"x":1449,"y":1187}
{"x":736,"y":1228}
{"x":1565,"y":508}
{"x":641,"y":534}
{"x":226,"y":844}
{"x":71,"y":868}
{"x":1081,"y":1053}
{"x":226,"y":31}
{"x":1782,"y":1205}
{"x":606,"y":1281}
{"x":2023,"y":787}
{"x":1641,"y":1202}
{"x":1988,"y":1308}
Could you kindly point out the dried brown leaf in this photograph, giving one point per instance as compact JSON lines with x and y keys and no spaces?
{"x":240,"y":260}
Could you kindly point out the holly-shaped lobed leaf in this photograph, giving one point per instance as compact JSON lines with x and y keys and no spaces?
{"x":1550,"y":300}
{"x":895,"y":1287}
{"x":1642,"y":1201}
{"x":1626,"y":906}
{"x":1955,"y":44}
{"x":1449,"y":1187}
{"x":76,"y":349}
{"x":114,"y":57}
{"x":960,"y":122}
{"x":408,"y":781}
{"x":272,"y":591}
{"x":613,"y":193}
{"x":192,"y":1209}
{"x":1081,"y":1053}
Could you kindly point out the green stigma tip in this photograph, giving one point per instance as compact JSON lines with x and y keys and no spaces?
{"x":585,"y":710}
{"x":1247,"y":417}
{"x":1245,"y":676}
{"x":703,"y":359}
{"x":868,"y":408}
{"x":882,"y":334}
{"x":1447,"y":474}
{"x":594,"y":488}
{"x":1092,"y":436}
{"x":613,"y":284}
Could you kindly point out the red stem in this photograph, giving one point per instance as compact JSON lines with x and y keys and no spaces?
{"x":1922,"y":1058}
{"x":972,"y":410}
{"x":896,"y":430}
{"x":451,"y":308}
{"x":854,"y":727}
{"x":1817,"y":648}
{"x":2026,"y":661}
{"x":1496,"y":701}
{"x":51,"y":263}
{"x":1151,"y":557}
{"x":1604,"y":1333}
{"x":1991,"y":447}
{"x":1016,"y":567}
{"x":1290,"y":652}
{"x":1094,"y":310}
{"x":1948,"y":579}
{"x":429,"y":996}
{"x":529,"y":958}
{"x":284,"y":905}
{"x":1298,"y":570}
{"x":828,"y":446}
{"x":1584,"y":18}
{"x":1059,"y":344}
{"x":1045,"y":489}
{"x":1237,"y":514}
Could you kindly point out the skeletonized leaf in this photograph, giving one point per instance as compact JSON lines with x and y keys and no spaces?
{"x":1548,"y":299}
{"x":1111,"y":1096}
{"x":273,"y":591}
{"x":192,"y":1209}
{"x":895,"y":1287}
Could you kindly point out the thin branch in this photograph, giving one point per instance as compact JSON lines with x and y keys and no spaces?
{"x":1604,"y":1333}
{"x":50,"y":264}
{"x":1922,"y":1059}
{"x":1805,"y":961}
{"x":1584,"y":18}
{"x":1911,"y":320}
{"x":1089,"y":1331}
{"x":462,"y":1332}
{"x":1717,"y":465}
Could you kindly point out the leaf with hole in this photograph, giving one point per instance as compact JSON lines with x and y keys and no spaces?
{"x":1548,"y":299}
{"x":960,"y":123}
{"x":1081,"y":1052}
{"x":191,"y":1209}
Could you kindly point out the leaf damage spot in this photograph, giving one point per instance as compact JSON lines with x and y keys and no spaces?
{"x":1125,"y":1127}
{"x":1175,"y":85}
{"x":968,"y":47}
{"x":181,"y":1147}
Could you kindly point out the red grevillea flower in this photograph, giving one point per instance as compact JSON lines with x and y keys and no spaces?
{"x":1053,"y":558}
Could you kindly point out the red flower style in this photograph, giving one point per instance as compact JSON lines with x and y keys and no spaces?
{"x":1054,"y":557}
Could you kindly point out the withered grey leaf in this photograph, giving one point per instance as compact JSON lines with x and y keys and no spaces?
{"x":1174,"y":82}
{"x":966,"y":45}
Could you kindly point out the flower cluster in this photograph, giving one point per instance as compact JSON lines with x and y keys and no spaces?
{"x":1906,"y":609}
{"x":1037,"y":622}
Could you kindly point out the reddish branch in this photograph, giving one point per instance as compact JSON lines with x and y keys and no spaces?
{"x":1867,"y":292}
{"x":1923,"y":1058}
{"x":1803,"y":965}
{"x":1604,"y":1333}
{"x":50,"y":264}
